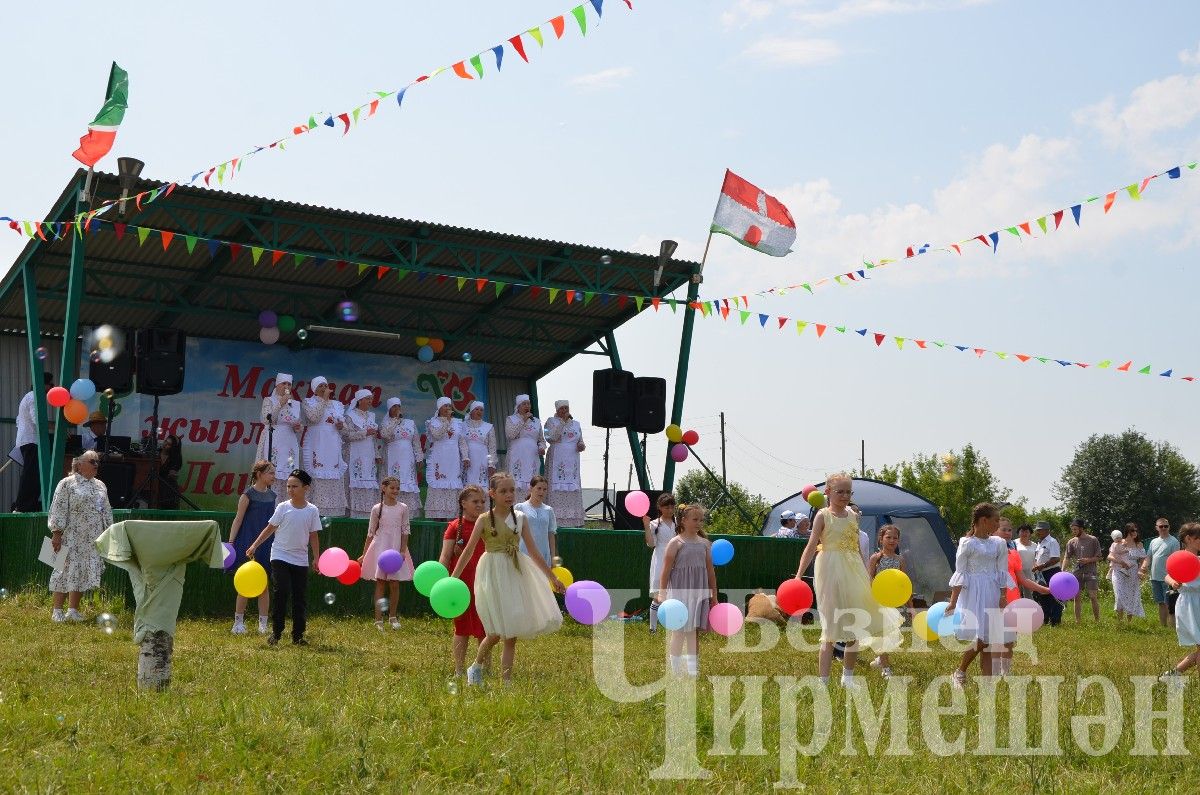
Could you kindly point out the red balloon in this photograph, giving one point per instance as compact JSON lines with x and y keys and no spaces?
{"x":690,"y":438}
{"x":351,"y":574}
{"x":58,"y":396}
{"x":1183,"y":566}
{"x":794,"y":596}
{"x":807,"y":490}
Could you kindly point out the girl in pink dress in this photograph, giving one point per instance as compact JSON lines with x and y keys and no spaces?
{"x":388,"y":529}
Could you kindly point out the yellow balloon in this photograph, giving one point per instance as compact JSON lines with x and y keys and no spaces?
{"x":674,"y":433}
{"x":422,"y":340}
{"x":891,"y":588}
{"x":920,"y":626}
{"x":816,"y":499}
{"x":250,"y":580}
{"x":563,"y":575}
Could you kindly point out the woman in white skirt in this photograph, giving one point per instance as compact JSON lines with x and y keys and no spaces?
{"x":444,"y":467}
{"x":525,"y":443}
{"x":323,"y":449}
{"x":403,"y":451}
{"x":283,"y":414}
{"x":361,"y":434}
{"x":565,"y":436}
{"x":480,"y":437}
{"x":510,"y":586}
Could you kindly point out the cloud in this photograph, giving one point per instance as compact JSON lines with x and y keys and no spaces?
{"x":744,"y":12}
{"x":1155,"y":107}
{"x":780,"y":51}
{"x":604,"y":79}
{"x":849,"y":11}
{"x":1190,"y":57}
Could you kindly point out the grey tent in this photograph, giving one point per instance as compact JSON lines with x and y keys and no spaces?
{"x":924,"y":538}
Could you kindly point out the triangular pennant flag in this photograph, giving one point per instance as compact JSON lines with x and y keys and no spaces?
{"x":1173,"y":173}
{"x":639,"y":300}
{"x":234,"y":250}
{"x":920,"y":344}
{"x":537,"y":34}
{"x":1025,"y":228}
{"x":460,"y":69}
{"x":534,"y":291}
{"x":1125,"y":367}
{"x":1108,"y":201}
{"x":1041,"y":222}
{"x":499,"y":286}
{"x":143,"y":232}
{"x":1000,"y":355}
{"x":737,"y":302}
{"x":480,"y":284}
{"x":1022,"y":357}
{"x":762,"y":320}
{"x":704,"y":310}
{"x":1075,"y":210}
{"x":840,"y":329}
{"x":519,"y":46}
{"x":599,"y":6}
{"x":939,"y":344}
{"x":220,"y":179}
{"x":213,"y":247}
{"x":800,"y":326}
{"x":400,"y":274}
{"x":820,"y":329}
{"x":982,"y":239}
{"x":807,"y":286}
{"x":362,"y":268}
{"x":553,"y":294}
{"x":374,"y":106}
{"x":1134,"y":192}
{"x":1012,"y":230}
{"x":1058,"y":216}
{"x":167,"y":237}
{"x":339,"y":264}
{"x":1042,"y":359}
{"x":380,"y":271}
{"x":329,"y":121}
{"x":461,"y":280}
{"x":879,"y":338}
{"x":980,"y":352}
{"x":995,"y":238}
{"x":498,"y":51}
{"x":1081,"y":365}
{"x":745,"y":315}
{"x":255,"y":253}
{"x":581,"y":18}
{"x":400,"y":97}
{"x":899,"y":342}
{"x":190,"y":242}
{"x":961,"y":347}
{"x":782,"y":322}
{"x":1166,"y":373}
{"x":559,"y":24}
{"x":1104,"y":365}
{"x":477,"y":62}
{"x":345,"y":119}
{"x":1145,"y":370}
{"x":671,"y":302}
{"x":570,"y":297}
{"x":356,"y":113}
{"x":655,"y":301}
{"x":724,"y":313}
{"x":276,"y":256}
{"x":862,"y":332}
{"x":1064,"y":364}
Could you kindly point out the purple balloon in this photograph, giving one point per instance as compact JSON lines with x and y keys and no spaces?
{"x":390,"y":561}
{"x":267,"y":318}
{"x":679,"y":453}
{"x":1064,"y":586}
{"x":230,"y":555}
{"x":587,"y":602}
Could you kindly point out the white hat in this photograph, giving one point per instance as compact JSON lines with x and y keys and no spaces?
{"x":517,"y":403}
{"x":317,"y":382}
{"x":393,"y":401}
{"x":783,"y":517}
{"x":283,"y":378}
{"x":442,"y":401}
{"x":360,"y":394}
{"x":475,"y":404}
{"x":561,"y":404}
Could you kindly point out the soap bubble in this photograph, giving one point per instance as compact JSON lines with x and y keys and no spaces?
{"x":452,"y":687}
{"x":330,"y":598}
{"x":348,"y":311}
{"x":3,"y":593}
{"x":606,"y":259}
{"x":94,"y":356}
{"x":41,"y":353}
{"x":110,"y":393}
{"x":382,"y":604}
{"x":302,"y":334}
{"x":467,"y":356}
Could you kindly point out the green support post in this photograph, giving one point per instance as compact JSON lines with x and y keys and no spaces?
{"x":681,"y":371}
{"x":33,"y":334}
{"x":533,"y":410}
{"x":635,"y":446}
{"x":68,"y":365}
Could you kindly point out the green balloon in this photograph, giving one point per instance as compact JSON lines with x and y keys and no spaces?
{"x":287,"y":323}
{"x":450,"y":597}
{"x":427,"y":575}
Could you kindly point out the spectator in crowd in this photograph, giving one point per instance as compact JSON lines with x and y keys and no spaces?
{"x":1083,"y":553}
{"x":79,"y":513}
{"x":1025,"y":548}
{"x":29,"y":490}
{"x":1047,"y":556}
{"x":787,"y":525}
{"x":1161,"y":549}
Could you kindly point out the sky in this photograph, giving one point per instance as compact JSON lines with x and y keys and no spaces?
{"x":881,"y":124}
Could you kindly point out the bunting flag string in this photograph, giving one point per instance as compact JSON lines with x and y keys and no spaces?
{"x":345,"y":121}
{"x":1046,"y":224}
{"x":720,"y":308}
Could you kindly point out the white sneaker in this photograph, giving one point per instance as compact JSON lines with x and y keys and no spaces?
{"x":850,"y":682}
{"x":876,"y":663}
{"x":1173,"y":679}
{"x":58,"y":616}
{"x":959,"y":678}
{"x":75,"y":615}
{"x":239,"y":627}
{"x":475,"y":674}
{"x":379,"y":625}
{"x":263,"y":629}
{"x":886,"y":670}
{"x":395,"y":623}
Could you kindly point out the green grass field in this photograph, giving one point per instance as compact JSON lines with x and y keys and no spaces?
{"x":362,"y":709}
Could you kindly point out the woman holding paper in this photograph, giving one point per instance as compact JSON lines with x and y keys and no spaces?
{"x":79,"y":513}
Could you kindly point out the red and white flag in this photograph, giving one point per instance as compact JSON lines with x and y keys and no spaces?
{"x":753,"y":218}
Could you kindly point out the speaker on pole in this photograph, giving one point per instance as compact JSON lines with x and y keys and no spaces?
{"x":119,"y":479}
{"x":612,"y":392}
{"x":649,"y":404}
{"x":116,"y":375}
{"x":160,"y":361}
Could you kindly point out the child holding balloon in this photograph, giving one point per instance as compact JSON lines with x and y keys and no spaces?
{"x":387,"y":532}
{"x":688,"y":576}
{"x":659,"y":532}
{"x":254,"y":509}
{"x":471,"y":502}
{"x":980,"y":582}
{"x":294,"y":525}
{"x":1187,"y":609}
{"x":888,"y":557}
{"x":513,"y":601}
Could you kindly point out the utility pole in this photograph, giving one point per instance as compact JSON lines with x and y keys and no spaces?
{"x":863,"y":459}
{"x":629,"y":482}
{"x":724,"y":474}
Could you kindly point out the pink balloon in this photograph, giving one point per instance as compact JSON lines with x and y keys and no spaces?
{"x":1024,"y":615}
{"x":333,"y":562}
{"x":679,"y":453}
{"x":637,"y":503}
{"x":725,"y":619}
{"x":807,"y":490}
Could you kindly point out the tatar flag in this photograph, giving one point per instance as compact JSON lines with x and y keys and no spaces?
{"x":753,"y":218}
{"x":102,"y":132}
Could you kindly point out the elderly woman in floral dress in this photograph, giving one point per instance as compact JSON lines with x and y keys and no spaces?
{"x":481,"y":447}
{"x":284,"y":414}
{"x":565,"y":436}
{"x":403,"y":451}
{"x":323,"y":449}
{"x":444,"y":467}
{"x":526,"y":445}
{"x":79,"y":513}
{"x":361,"y":433}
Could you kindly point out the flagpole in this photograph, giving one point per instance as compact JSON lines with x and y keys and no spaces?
{"x":85,"y":195}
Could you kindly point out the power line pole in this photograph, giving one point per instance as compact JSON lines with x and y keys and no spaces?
{"x":724,"y":475}
{"x":863,"y":459}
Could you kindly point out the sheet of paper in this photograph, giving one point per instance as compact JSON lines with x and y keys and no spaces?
{"x":48,"y":556}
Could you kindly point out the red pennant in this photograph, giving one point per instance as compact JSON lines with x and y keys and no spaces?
{"x":879,"y":338}
{"x":296,"y":131}
{"x":724,"y":301}
{"x":341,"y":264}
{"x":276,"y":256}
{"x":980,"y":351}
{"x":234,"y":250}
{"x":559,"y":24}
{"x":1022,"y":357}
{"x":374,"y":106}
{"x":421,"y":78}
{"x":166,"y":238}
{"x":1108,"y":201}
{"x":534,"y":291}
{"x":170,"y":190}
{"x":460,"y":69}
{"x":519,"y":46}
{"x":956,"y":248}
{"x":983,"y":239}
{"x":851,"y":276}
{"x":782,"y":322}
{"x":725,"y":312}
{"x":119,"y":229}
{"x":920,"y":343}
{"x":624,"y":299}
{"x":1189,"y":378}
{"x":442,"y":279}
{"x":908,"y":253}
{"x":1025,"y":228}
{"x":480,"y":284}
{"x":654,"y":302}
{"x":745,"y":302}
{"x":233,"y":165}
{"x":1058,"y":216}
{"x":1081,"y":364}
{"x":209,"y":174}
{"x":1125,"y":367}
{"x":1145,"y":182}
{"x":137,"y":201}
{"x":345,"y":117}
{"x":820,"y":329}
{"x":570,"y":296}
{"x":379,"y":271}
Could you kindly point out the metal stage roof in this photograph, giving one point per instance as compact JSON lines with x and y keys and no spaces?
{"x":217,"y":291}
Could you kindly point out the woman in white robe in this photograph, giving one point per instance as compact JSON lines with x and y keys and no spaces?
{"x":525,"y":444}
{"x":480,"y":437}
{"x":565,"y":435}
{"x":444,"y":467}
{"x":323,"y":449}
{"x":285,"y":415}
{"x":403,"y":449}
{"x":361,"y":433}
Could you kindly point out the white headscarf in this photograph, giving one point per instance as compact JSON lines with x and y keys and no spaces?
{"x":359,"y":395}
{"x":558,"y":404}
{"x":283,"y":378}
{"x":442,"y":401}
{"x":394,"y":401}
{"x":475,"y":404}
{"x":520,"y":399}
{"x":317,"y":382}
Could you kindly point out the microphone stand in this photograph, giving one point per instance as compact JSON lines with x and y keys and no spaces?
{"x":270,"y":435}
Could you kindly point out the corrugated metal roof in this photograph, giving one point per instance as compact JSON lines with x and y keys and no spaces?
{"x":134,"y":284}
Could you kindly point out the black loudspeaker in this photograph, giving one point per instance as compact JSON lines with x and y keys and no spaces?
{"x":118,"y":477}
{"x":649,"y":405}
{"x":160,"y":359}
{"x":612,"y":393}
{"x":624,"y":520}
{"x":116,"y":375}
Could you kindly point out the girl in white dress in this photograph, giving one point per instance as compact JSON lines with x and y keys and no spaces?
{"x":565,"y":436}
{"x":323,"y":449}
{"x":286,"y":416}
{"x":443,"y":470}
{"x":525,"y":443}
{"x":361,"y":433}
{"x":403,"y":448}
{"x":978,"y":590}
{"x":659,"y":533}
{"x":1127,"y":557}
{"x":480,"y":437}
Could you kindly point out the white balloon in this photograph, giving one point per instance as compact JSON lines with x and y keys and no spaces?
{"x":269,"y":335}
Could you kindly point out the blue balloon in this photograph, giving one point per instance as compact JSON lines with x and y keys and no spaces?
{"x":722,"y":552}
{"x":672,"y":614}
{"x":937,"y":621}
{"x":425,"y":354}
{"x":83,"y":389}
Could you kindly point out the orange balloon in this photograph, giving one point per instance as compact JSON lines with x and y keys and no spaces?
{"x":75,"y":411}
{"x":437,"y":345}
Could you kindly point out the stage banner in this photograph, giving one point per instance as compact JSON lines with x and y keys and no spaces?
{"x":217,"y":416}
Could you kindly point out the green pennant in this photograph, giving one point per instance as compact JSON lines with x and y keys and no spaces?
{"x":362,"y":268}
{"x":312,"y":123}
{"x":478,"y":64}
{"x":537,"y":35}
{"x":460,"y":281}
{"x":143,"y":233}
{"x":869,"y":264}
{"x":1042,"y":224}
{"x":899,"y":342}
{"x":190,"y":242}
{"x":282,"y":146}
{"x":581,"y":18}
{"x":587,"y":298}
{"x":28,"y":229}
{"x":800,"y":326}
{"x":1192,"y":165}
{"x":221,"y":173}
{"x":1104,"y":365}
{"x":1145,"y":370}
{"x":297,"y":259}
{"x":807,"y":286}
{"x":838,"y":279}
{"x":1134,"y":191}
{"x":639,"y":300}
{"x":384,"y":94}
{"x":704,"y":308}
{"x":255,"y":253}
{"x":744,"y":315}
{"x":841,"y":329}
{"x":553,"y":294}
{"x":1012,"y":230}
{"x":939,"y":344}
{"x":355,"y":113}
{"x":671,"y":301}
{"x":737,"y":302}
{"x":1000,"y":354}
{"x":1042,"y":359}
{"x":400,"y":274}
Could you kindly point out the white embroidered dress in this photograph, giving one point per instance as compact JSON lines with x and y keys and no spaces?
{"x":480,"y":438}
{"x":402,"y":446}
{"x":286,"y":415}
{"x":562,"y":468}
{"x":361,"y":460}
{"x":443,"y":468}
{"x":323,"y":455}
{"x":525,"y":443}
